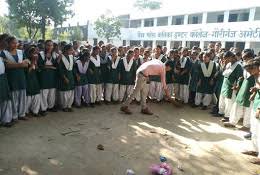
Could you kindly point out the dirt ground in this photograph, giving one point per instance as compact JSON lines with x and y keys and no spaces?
{"x":66,"y":143}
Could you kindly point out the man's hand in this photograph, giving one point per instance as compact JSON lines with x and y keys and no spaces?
{"x":257,"y":113}
{"x":66,"y":80}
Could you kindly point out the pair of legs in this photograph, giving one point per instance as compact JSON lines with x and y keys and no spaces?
{"x":18,"y":104}
{"x":181,"y":92}
{"x":112,"y":92}
{"x":48,"y":99}
{"x":204,"y":99}
{"x":33,"y":104}
{"x":82,"y":91}
{"x":96,"y":92}
{"x":66,"y":100}
{"x":125,"y":91}
{"x":140,"y":86}
{"x":155,"y":90}
{"x":237,"y":112}
{"x":6,"y":113}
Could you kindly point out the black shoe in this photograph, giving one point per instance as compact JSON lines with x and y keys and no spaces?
{"x":22,"y":118}
{"x":65,"y":110}
{"x":8,"y":125}
{"x":248,"y":136}
{"x":70,"y":110}
{"x":194,"y":106}
{"x":204,"y":108}
{"x":43,"y":113}
{"x":218,"y":115}
{"x":92,"y":105}
{"x":54,"y":109}
{"x":98,"y":103}
{"x":225,"y":119}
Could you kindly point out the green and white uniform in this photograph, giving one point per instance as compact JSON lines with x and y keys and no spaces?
{"x":155,"y":87}
{"x":48,"y":80}
{"x":65,"y":69}
{"x":95,"y":79}
{"x":33,"y":91}
{"x":5,"y":96}
{"x":127,"y":77}
{"x":184,"y":79}
{"x":112,"y":85}
{"x":205,"y":90}
{"x":227,"y":96}
{"x":17,"y":83}
{"x":242,"y":106}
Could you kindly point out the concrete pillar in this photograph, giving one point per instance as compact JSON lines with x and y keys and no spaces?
{"x":247,"y":45}
{"x":169,"y":20}
{"x":223,"y":43}
{"x":186,"y":19}
{"x":142,"y":43}
{"x":168,"y":45}
{"x":204,"y":17}
{"x":252,"y":14}
{"x":226,"y":16}
{"x":155,"y":22}
{"x":183,"y":43}
{"x":202,"y":43}
{"x":154,"y":44}
{"x":142,"y":22}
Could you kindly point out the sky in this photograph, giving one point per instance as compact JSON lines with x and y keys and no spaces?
{"x":90,"y":9}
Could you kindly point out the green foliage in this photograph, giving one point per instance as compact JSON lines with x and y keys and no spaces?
{"x":8,"y":26}
{"x":148,"y":4}
{"x":64,"y":36}
{"x":35,"y":15}
{"x":108,"y":27}
{"x":76,"y":34}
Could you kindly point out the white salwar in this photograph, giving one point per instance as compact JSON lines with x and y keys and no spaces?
{"x":184,"y":93}
{"x":95,"y":92}
{"x":112,"y":91}
{"x":237,"y":112}
{"x":255,"y":130}
{"x":176,"y":87}
{"x":33,"y":104}
{"x":48,"y":98}
{"x":66,"y":99}
{"x":155,"y":90}
{"x":225,"y":104}
{"x":18,"y":103}
{"x":6,"y":112}
{"x":125,"y":91}
{"x":205,"y":99}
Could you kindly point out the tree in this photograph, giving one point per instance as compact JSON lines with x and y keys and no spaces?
{"x":8,"y":26}
{"x":35,"y":15}
{"x":148,"y":4}
{"x":108,"y":27}
{"x":76,"y":34}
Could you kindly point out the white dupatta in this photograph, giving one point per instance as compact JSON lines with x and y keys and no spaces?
{"x":207,"y":71}
{"x":2,"y":66}
{"x":183,"y":61}
{"x":82,"y":69}
{"x":68,"y":64}
{"x":114,"y":64}
{"x":229,"y":69}
{"x":10,"y":57}
{"x":95,"y":61}
{"x":127,"y":65}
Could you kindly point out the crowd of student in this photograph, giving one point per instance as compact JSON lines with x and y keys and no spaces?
{"x":46,"y":76}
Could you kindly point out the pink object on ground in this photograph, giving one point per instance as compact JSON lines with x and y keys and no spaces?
{"x":161,"y":169}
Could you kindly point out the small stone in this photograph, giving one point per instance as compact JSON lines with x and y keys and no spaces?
{"x":100,"y":147}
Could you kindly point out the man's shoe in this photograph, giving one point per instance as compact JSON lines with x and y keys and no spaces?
{"x":229,"y":125}
{"x":248,"y":136}
{"x":146,"y":111}
{"x":125,"y":110}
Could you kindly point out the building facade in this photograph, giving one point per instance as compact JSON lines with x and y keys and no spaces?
{"x":233,"y":28}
